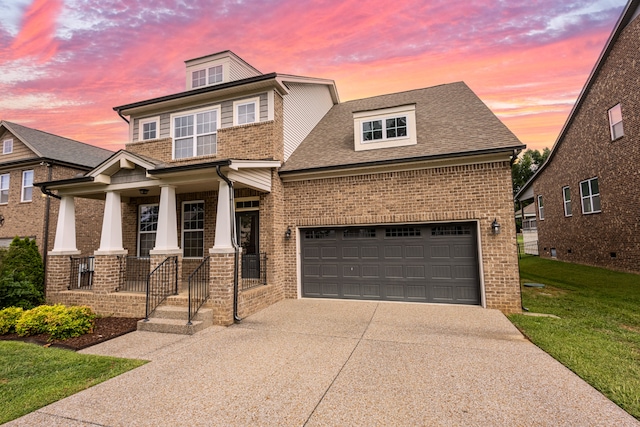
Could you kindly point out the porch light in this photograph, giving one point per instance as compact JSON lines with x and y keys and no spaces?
{"x":144,"y":191}
{"x":287,"y":234}
{"x":495,"y":227}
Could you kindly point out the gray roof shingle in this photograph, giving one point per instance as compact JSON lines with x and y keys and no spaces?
{"x":49,"y":146}
{"x":451,"y":121}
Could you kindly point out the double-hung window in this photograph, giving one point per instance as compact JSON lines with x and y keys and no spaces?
{"x":566,"y":197}
{"x":590,"y":195}
{"x":377,"y":130}
{"x":148,"y":228}
{"x":540,"y":208}
{"x":615,"y":122}
{"x":4,"y":188}
{"x":193,"y":229}
{"x":195,"y":134}
{"x":27,"y":186}
{"x":245,"y":111}
{"x":7,"y":146}
{"x":149,"y":129}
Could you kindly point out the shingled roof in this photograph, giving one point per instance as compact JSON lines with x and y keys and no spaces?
{"x":48,"y":146}
{"x":451,"y":121}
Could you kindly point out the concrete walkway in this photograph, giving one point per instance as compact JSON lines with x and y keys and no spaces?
{"x":319,"y":363}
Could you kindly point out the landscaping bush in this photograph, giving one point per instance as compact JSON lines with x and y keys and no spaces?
{"x":57,"y":320}
{"x":8,"y":319}
{"x":21,"y":275}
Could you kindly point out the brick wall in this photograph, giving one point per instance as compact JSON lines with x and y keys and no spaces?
{"x":610,"y":238}
{"x":472,"y":192}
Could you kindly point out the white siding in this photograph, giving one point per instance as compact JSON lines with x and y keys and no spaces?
{"x":259,"y":179}
{"x":238,"y":71}
{"x":304,"y":106}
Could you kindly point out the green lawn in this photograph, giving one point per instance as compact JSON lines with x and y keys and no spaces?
{"x":32,"y":376}
{"x":598,"y":333}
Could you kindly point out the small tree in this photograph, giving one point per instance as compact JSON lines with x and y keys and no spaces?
{"x":21,"y":275}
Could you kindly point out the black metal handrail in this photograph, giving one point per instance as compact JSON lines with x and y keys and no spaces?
{"x":254,"y":270}
{"x":133,"y":273}
{"x":161,"y":282}
{"x":81,"y":275}
{"x":198,"y":288}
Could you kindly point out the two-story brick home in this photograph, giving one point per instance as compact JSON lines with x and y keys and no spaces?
{"x":400,"y":197}
{"x":586,"y":197}
{"x":30,"y":155}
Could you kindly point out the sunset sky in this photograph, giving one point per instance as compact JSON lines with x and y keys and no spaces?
{"x":64,"y":64}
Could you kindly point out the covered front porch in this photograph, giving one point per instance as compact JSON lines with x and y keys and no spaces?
{"x":188,"y":235}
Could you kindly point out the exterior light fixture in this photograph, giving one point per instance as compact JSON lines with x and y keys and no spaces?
{"x":144,"y":191}
{"x":495,"y":227}
{"x":287,"y":234}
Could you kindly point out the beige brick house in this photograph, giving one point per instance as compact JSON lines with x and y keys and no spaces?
{"x":248,"y":188}
{"x":29,"y":155}
{"x":586,"y":198}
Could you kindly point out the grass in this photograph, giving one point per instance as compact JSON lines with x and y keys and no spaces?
{"x":32,"y":376}
{"x":598,"y":333}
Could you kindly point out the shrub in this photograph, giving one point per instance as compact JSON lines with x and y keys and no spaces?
{"x":21,"y":275}
{"x":57,"y":320}
{"x":18,"y":293}
{"x":8,"y":319}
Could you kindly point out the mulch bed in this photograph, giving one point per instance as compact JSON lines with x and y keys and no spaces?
{"x":105,"y":329}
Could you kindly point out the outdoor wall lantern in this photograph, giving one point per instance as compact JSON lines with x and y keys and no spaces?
{"x":144,"y":191}
{"x":287,"y":234}
{"x":495,"y":227}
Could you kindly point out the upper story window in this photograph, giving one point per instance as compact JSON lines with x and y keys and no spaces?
{"x":208,"y":76}
{"x":540,"y":208}
{"x":245,"y":111}
{"x":27,"y":186}
{"x":195,"y":134}
{"x":615,"y":122}
{"x":4,"y":188}
{"x":389,"y":127}
{"x":590,"y":194}
{"x":149,"y":129}
{"x":566,"y":196}
{"x":7,"y":146}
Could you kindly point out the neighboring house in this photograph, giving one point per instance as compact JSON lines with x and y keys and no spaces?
{"x":529,"y":229}
{"x":586,"y":197}
{"x":29,"y":155}
{"x":393,"y":197}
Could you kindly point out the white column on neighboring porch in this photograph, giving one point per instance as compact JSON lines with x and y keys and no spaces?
{"x":222,"y":243}
{"x":167,"y":234}
{"x":111,"y":237}
{"x":65,"y":240}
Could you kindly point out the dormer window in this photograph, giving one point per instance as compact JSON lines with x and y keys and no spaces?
{"x":389,"y":127}
{"x":208,"y":76}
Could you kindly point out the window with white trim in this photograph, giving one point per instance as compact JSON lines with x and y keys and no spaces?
{"x":215,"y":74}
{"x":245,"y":111}
{"x":193,"y":229}
{"x":7,"y":146}
{"x":394,"y":127}
{"x":198,"y":78}
{"x":384,"y":128}
{"x":149,"y":129}
{"x":195,"y":134}
{"x":147,"y":228}
{"x":27,"y":186}
{"x":540,"y":208}
{"x":4,"y":188}
{"x":566,"y":198}
{"x":590,"y":195}
{"x":208,"y":76}
{"x":615,"y":122}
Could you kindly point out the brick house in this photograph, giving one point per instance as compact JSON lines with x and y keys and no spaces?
{"x":29,"y":155}
{"x":384,"y":198}
{"x":587,"y":203}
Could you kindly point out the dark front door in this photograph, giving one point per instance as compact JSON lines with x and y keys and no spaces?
{"x":248,"y":238}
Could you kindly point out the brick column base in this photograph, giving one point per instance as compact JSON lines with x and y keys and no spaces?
{"x":58,"y":271}
{"x":106,"y":272}
{"x":221,"y":287}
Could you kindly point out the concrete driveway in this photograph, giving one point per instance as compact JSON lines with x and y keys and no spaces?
{"x":318,"y":363}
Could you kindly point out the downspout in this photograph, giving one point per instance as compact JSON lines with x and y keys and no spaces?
{"x":234,"y":243}
{"x":513,"y":159}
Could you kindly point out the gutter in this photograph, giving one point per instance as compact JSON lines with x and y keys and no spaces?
{"x":234,"y":242}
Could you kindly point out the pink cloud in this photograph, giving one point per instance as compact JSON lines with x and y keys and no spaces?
{"x":36,"y":36}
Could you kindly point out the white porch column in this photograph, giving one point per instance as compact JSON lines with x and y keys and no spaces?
{"x":66,"y":229}
{"x":167,"y":235}
{"x":111,"y":237}
{"x":222,"y":243}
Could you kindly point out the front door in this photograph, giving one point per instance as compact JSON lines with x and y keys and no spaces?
{"x":248,"y":238}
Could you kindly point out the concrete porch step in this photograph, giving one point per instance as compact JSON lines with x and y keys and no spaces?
{"x":171,"y":319}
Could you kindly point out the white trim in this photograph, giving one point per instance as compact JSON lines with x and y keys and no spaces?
{"x":172,"y":117}
{"x":540,"y":207}
{"x":8,"y":175}
{"x":190,"y":202}
{"x":565,"y":201}
{"x":254,"y":164}
{"x":142,"y":122}
{"x":256,"y":112}
{"x":590,"y":196}
{"x":7,"y":142}
{"x":23,"y":187}
{"x":616,"y":109}
{"x":270,"y":105}
{"x":362,"y":117}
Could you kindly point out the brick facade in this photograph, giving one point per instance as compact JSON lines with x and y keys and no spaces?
{"x":610,"y":238}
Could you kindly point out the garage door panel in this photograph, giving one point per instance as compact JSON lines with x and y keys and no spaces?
{"x":370,"y":252}
{"x":441,"y":272}
{"x":440,"y":251}
{"x":329,"y":270}
{"x":393,"y":272}
{"x":414,"y":251}
{"x":351,"y":290}
{"x":394,"y":291}
{"x":351,"y":270}
{"x":329,"y":252}
{"x":311,"y":253}
{"x":442,"y":293}
{"x":311,"y":270}
{"x":350,"y":252}
{"x":393,"y":251}
{"x":464,"y":251}
{"x":371,"y":290}
{"x":330,"y":290}
{"x":415,"y":272}
{"x":370,"y":271}
{"x":464,"y":272}
{"x":417,"y":292}
{"x":466,"y":293}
